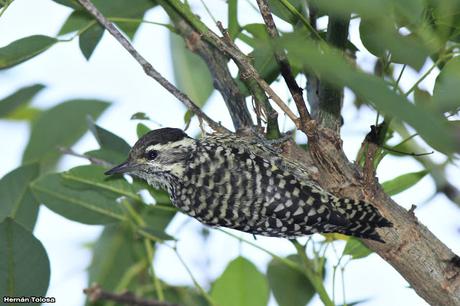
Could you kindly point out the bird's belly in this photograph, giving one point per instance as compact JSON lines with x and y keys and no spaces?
{"x":236,"y":208}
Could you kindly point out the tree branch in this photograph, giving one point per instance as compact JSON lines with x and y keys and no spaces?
{"x":148,"y":68}
{"x":217,"y":64}
{"x":93,"y":160}
{"x":256,"y":90}
{"x":95,"y":294}
{"x":422,"y":259}
{"x":231,"y":50}
{"x":330,"y":97}
{"x":283,"y":63}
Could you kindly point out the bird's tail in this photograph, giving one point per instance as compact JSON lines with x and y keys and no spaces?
{"x":363,"y":218}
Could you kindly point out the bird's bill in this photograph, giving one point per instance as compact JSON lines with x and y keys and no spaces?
{"x":121,"y":168}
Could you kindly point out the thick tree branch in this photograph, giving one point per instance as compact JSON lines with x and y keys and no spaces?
{"x":283,"y":62}
{"x":423,"y":260}
{"x":95,"y":294}
{"x":217,"y":64}
{"x":330,"y":97}
{"x":148,"y":68}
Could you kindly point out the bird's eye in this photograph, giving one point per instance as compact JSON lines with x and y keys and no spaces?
{"x":152,"y":154}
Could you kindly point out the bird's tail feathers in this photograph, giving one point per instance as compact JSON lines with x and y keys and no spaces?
{"x":364,"y":218}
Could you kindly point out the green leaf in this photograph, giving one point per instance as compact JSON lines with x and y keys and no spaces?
{"x":114,"y":253}
{"x":112,"y":158}
{"x":70,"y":3}
{"x":89,"y":39}
{"x":89,"y":206}
{"x":233,"y":26}
{"x":75,"y":22}
{"x":446,"y":91}
{"x":289,"y":286}
{"x":403,"y":182}
{"x":16,"y":199}
{"x":184,"y":296}
{"x":369,"y":9}
{"x":280,"y":10}
{"x":412,"y":11}
{"x":25,"y":113}
{"x":444,"y":18}
{"x":140,"y":116}
{"x":354,"y":303}
{"x":258,"y":32}
{"x":191,"y":74}
{"x":356,"y":249}
{"x":158,"y":216}
{"x":60,"y":126}
{"x":107,"y":140}
{"x":25,"y":267}
{"x":21,"y":97}
{"x":159,"y":235}
{"x":422,"y":98}
{"x":241,"y":284}
{"x":265,"y":63}
{"x":92,"y":177}
{"x":23,"y":49}
{"x":113,"y":149}
{"x":330,"y":65}
{"x":380,"y":35}
{"x":133,"y":9}
{"x":141,"y":130}
{"x":188,"y":118}
{"x":262,"y":56}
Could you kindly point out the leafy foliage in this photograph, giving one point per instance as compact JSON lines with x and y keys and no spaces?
{"x":60,"y":126}
{"x":15,"y":103}
{"x":290,"y":286}
{"x":356,"y":249}
{"x":191,"y":74}
{"x":24,"y":49}
{"x":403,"y":182}
{"x":241,"y":284}
{"x":18,"y":202}
{"x":24,"y":268}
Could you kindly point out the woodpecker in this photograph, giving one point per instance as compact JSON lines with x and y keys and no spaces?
{"x":224,"y":180}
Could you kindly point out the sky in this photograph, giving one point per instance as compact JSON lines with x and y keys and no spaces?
{"x":112,"y":75}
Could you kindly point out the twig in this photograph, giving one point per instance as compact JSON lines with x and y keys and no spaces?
{"x":229,"y":49}
{"x":217,"y":64}
{"x":95,"y":293}
{"x":283,"y":62}
{"x":243,"y":62}
{"x":93,"y":160}
{"x":406,"y":153}
{"x":412,"y":209}
{"x":195,"y":282}
{"x":148,"y":68}
{"x":314,"y":278}
{"x":258,"y":93}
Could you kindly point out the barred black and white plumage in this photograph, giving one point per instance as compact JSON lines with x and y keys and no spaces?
{"x":222,"y":180}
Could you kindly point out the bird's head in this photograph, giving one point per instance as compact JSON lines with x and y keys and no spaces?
{"x":157,"y":156}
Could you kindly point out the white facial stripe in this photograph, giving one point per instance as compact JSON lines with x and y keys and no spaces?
{"x":170,"y":145}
